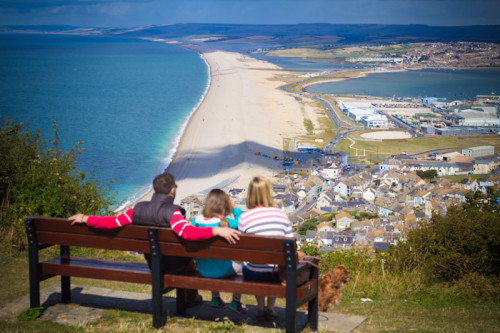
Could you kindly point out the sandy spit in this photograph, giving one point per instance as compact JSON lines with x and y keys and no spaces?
{"x":243,"y":112}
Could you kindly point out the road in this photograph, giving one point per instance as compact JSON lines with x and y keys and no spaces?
{"x":335,"y":119}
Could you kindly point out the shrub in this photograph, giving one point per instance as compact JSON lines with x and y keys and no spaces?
{"x":464,"y":241}
{"x":37,"y":178}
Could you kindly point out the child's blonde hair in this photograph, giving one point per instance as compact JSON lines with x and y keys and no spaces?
{"x":218,"y":204}
{"x":260,"y":193}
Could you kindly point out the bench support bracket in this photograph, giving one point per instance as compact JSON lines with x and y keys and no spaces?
{"x":34,"y":268}
{"x":157,"y":278}
{"x":65,"y":280}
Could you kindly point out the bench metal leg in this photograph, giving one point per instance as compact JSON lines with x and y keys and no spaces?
{"x":312,"y":307}
{"x":157,"y":279}
{"x":291,"y":287}
{"x":291,"y":316}
{"x":181,"y":302}
{"x":34,"y":268}
{"x":312,"y":314}
{"x":65,"y":280}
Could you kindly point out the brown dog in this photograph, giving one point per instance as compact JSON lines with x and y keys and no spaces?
{"x":329,"y":288}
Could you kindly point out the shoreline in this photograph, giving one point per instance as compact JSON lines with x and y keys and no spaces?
{"x":242,"y":112}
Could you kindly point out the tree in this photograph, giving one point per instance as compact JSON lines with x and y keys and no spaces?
{"x":428,"y":174}
{"x":41,"y":179}
{"x":431,"y":174}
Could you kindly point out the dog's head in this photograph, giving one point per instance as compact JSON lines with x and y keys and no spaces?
{"x":338,"y":275}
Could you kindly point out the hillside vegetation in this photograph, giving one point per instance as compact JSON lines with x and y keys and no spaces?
{"x":38,"y":178}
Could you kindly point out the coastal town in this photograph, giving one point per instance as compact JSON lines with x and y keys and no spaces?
{"x":404,"y":55}
{"x":340,"y":200}
{"x":433,"y":55}
{"x":374,"y":206}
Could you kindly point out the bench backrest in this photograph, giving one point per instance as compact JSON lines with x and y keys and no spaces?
{"x":258,"y":249}
{"x":59,"y":231}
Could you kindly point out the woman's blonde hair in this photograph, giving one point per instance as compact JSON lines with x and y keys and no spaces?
{"x":260,"y":193}
{"x":217,"y":204}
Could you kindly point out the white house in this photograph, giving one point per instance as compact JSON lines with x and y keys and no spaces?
{"x":325,"y":199}
{"x":369,"y":194}
{"x":331,"y":173}
{"x":344,"y":189}
{"x":343,"y":220}
{"x":324,"y":226}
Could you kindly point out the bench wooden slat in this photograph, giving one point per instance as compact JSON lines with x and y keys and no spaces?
{"x":98,"y":269}
{"x":63,"y":226}
{"x":93,"y":241}
{"x":236,"y":285}
{"x":236,"y":253}
{"x":265,"y":243}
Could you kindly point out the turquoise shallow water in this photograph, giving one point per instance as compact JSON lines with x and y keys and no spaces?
{"x":449,"y":84}
{"x":127,"y":99}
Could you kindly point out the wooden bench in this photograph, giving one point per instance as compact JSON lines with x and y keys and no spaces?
{"x":44,"y":232}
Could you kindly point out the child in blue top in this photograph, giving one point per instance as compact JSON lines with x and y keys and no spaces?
{"x":218,"y":205}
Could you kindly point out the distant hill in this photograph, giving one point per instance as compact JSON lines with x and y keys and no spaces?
{"x":295,"y":34}
{"x":38,"y":28}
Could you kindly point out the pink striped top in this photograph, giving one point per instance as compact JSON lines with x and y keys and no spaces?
{"x":265,"y":221}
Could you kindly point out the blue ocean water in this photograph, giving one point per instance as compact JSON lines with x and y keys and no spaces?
{"x":126,"y":99}
{"x":453,"y":85}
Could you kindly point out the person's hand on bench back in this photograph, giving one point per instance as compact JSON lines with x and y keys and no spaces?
{"x":78,"y":219}
{"x":231,"y":235}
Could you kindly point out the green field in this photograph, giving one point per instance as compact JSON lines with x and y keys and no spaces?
{"x":380,"y":149}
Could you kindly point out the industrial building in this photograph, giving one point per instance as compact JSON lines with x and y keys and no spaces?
{"x":465,"y":130}
{"x":473,"y":117}
{"x":428,"y":130}
{"x":479,"y":151}
{"x":358,"y":113}
{"x":375,"y":121}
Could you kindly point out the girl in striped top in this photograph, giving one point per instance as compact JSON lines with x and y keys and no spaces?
{"x":264,"y":219}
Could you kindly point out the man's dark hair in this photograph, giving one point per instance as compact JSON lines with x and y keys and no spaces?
{"x":164,"y":183}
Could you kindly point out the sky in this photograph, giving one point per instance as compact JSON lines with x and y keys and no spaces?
{"x":136,"y":13}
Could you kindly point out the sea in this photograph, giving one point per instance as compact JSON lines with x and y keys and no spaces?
{"x":128,"y":100}
{"x":458,"y":84}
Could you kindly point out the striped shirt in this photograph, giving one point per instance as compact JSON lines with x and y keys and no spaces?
{"x":265,"y":221}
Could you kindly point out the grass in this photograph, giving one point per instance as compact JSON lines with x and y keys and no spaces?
{"x":407,"y":316}
{"x":399,"y":304}
{"x":297,"y":86}
{"x":342,"y":53}
{"x":458,"y":178}
{"x":386,"y":148}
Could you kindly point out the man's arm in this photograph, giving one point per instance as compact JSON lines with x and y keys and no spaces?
{"x":103,"y":222}
{"x":189,"y":232}
{"x":178,"y":223}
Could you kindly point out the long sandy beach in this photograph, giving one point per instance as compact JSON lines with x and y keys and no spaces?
{"x":243,"y":112}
